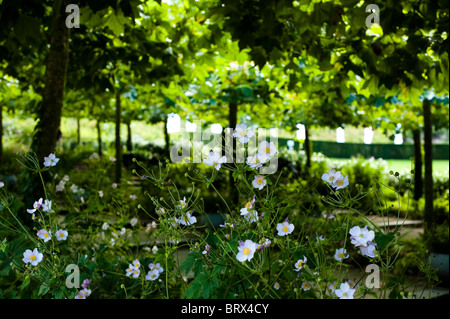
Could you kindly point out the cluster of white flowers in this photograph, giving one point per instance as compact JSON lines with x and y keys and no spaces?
{"x":265,"y":152}
{"x":335,"y":179}
{"x":46,"y":206}
{"x":363,"y":238}
{"x":134,"y":270}
{"x":249,"y":212}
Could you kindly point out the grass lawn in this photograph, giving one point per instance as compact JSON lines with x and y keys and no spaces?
{"x":396,"y":165}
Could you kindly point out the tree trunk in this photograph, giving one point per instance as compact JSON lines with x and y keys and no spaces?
{"x":429,"y":216}
{"x":166,"y":138}
{"x":46,"y":130}
{"x":118,"y":144}
{"x":99,"y":139}
{"x":78,"y":131}
{"x":129,"y":141}
{"x":307,"y":151}
{"x":418,"y":182}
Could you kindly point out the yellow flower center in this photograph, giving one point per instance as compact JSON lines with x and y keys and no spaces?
{"x":285,"y":228}
{"x":259,"y":181}
{"x":300,"y":263}
{"x":136,"y":265}
{"x":243,"y":133}
{"x":344,"y":294}
{"x":136,"y":272}
{"x":340,"y":182}
{"x":61,"y":235}
{"x":46,"y":235}
{"x":32,"y":257}
{"x":340,"y":255}
{"x":267,"y":149}
{"x":246,"y":251}
{"x":331,"y":178}
{"x":248,"y":205}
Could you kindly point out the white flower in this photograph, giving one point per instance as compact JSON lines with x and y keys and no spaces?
{"x":74,"y":188}
{"x":86,"y":292}
{"x":114,"y":185}
{"x":132,"y":271}
{"x":187,"y":219}
{"x":300,"y":263}
{"x":2,"y":184}
{"x":50,"y":160}
{"x":259,"y":182}
{"x":60,"y":186}
{"x":248,"y":207}
{"x":183,"y":202}
{"x":112,"y":158}
{"x":47,"y":206}
{"x":80,"y":295}
{"x":36,"y":206}
{"x":361,"y":236}
{"x":156,"y":267}
{"x":152,"y":275}
{"x":344,"y":291}
{"x":61,"y":234}
{"x":333,"y":287}
{"x":134,"y":221}
{"x":44,"y":235}
{"x":285,"y":228}
{"x":256,"y":161}
{"x":306,"y":286}
{"x":242,"y":133}
{"x":100,"y":193}
{"x":267,"y":149}
{"x":66,"y":178}
{"x":276,"y":286}
{"x":331,"y":176}
{"x":105,"y":226}
{"x":340,"y":182}
{"x":154,"y":249}
{"x":136,"y":263}
{"x":246,"y":250}
{"x":340,"y":254}
{"x":215,"y":159}
{"x":33,"y":257}
{"x":133,"y":197}
{"x":369,"y":250}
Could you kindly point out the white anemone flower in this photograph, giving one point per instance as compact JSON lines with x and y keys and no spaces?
{"x":187,"y":219}
{"x":267,"y":149}
{"x":44,"y":235}
{"x":243,"y":133}
{"x":340,"y":254}
{"x":152,"y":275}
{"x":344,"y":291}
{"x":340,"y":182}
{"x":61,"y":234}
{"x":33,"y":257}
{"x":215,"y":159}
{"x":369,"y":250}
{"x":50,"y":160}
{"x":299,"y":264}
{"x":259,"y":182}
{"x":285,"y":228}
{"x":36,"y":206}
{"x":331,"y":176}
{"x":361,"y":236}
{"x":246,"y":250}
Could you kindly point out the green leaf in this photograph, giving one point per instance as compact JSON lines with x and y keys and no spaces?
{"x":43,"y":289}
